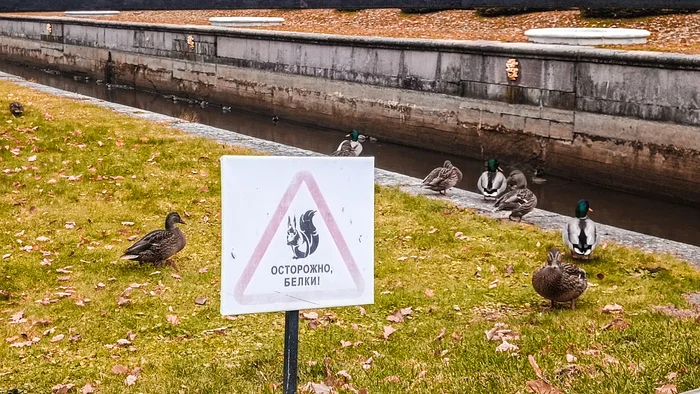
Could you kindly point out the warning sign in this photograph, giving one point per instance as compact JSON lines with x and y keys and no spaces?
{"x":298,"y":233}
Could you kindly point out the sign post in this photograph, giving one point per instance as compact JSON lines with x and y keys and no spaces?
{"x":291,"y":347}
{"x":297,"y":233}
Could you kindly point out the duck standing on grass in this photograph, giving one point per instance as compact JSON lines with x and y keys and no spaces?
{"x":580,"y":234}
{"x":354,"y":143}
{"x":159,"y":245}
{"x":443,"y":178}
{"x":492,"y":182}
{"x":519,"y":200}
{"x":16,"y":108}
{"x":559,"y":282}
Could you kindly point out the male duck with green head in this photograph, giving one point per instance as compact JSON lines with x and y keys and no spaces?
{"x":492,"y":183}
{"x":580,"y":234}
{"x":354,"y":143}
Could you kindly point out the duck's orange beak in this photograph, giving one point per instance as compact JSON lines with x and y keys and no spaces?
{"x":590,"y":209}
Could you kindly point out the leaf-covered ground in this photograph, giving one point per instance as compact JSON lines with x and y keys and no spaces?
{"x":79,"y":183}
{"x":669,"y":33}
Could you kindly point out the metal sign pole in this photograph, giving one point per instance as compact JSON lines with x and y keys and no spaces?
{"x":291,"y":348}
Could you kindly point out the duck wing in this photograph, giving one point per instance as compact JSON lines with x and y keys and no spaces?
{"x":434,"y":174}
{"x":150,"y":241}
{"x":344,"y":149}
{"x":509,"y":201}
{"x":523,"y":199}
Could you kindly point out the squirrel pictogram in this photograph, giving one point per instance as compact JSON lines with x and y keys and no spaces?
{"x":302,"y":239}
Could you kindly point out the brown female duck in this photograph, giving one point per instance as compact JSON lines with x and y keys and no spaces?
{"x":559,"y":282}
{"x":159,"y":245}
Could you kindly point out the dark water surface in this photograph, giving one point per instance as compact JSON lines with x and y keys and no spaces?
{"x":643,"y":214}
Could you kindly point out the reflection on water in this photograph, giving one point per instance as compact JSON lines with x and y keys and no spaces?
{"x":637,"y":213}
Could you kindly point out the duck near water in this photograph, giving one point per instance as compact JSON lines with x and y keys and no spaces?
{"x":559,"y":282}
{"x":16,"y":108}
{"x":580,"y":234}
{"x":159,"y":245}
{"x":443,"y":178}
{"x":354,"y":143}
{"x":492,"y":183}
{"x":519,"y":200}
{"x":344,"y":150}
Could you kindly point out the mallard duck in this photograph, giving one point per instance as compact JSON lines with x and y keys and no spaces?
{"x":492,"y":182}
{"x":345,"y":149}
{"x":158,"y":245}
{"x":356,"y":145}
{"x":443,"y":178}
{"x":16,"y":108}
{"x":539,"y":178}
{"x":519,"y":200}
{"x":559,"y":282}
{"x":580,"y":233}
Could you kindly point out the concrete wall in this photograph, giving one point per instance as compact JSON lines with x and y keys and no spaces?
{"x":629,"y":120}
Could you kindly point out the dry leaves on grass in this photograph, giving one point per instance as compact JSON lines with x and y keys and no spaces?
{"x":388,"y":330}
{"x":309,"y":315}
{"x":399,"y":314}
{"x":62,"y":388}
{"x":429,"y":293}
{"x":614,"y":308}
{"x":666,"y":389}
{"x":441,"y":334}
{"x":500,"y":332}
{"x":88,"y":389}
{"x":541,"y":387}
{"x":507,"y":347}
{"x":617,"y":324}
{"x":173,"y":319}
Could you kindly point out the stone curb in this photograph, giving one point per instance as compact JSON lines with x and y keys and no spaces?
{"x":543,"y":219}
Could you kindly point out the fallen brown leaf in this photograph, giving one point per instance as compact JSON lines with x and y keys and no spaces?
{"x":614,"y":308}
{"x":507,"y":347}
{"x":541,"y":387}
{"x":429,"y":293}
{"x":388,"y":330}
{"x":441,"y":334}
{"x":120,"y":370}
{"x":87,"y":389}
{"x":310,"y":315}
{"x":173,"y":319}
{"x":57,"y":338}
{"x":62,"y":388}
{"x":535,"y":367}
{"x":130,"y":380}
{"x":666,"y":389}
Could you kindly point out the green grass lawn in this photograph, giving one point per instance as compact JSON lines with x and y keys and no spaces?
{"x":74,"y":177}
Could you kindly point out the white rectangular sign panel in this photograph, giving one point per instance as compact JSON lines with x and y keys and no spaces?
{"x":297,"y":233}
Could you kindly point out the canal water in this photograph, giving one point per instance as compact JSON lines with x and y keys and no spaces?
{"x":644,"y":214}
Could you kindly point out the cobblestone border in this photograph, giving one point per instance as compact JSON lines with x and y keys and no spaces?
{"x":543,"y":219}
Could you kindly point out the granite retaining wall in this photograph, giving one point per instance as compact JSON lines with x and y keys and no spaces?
{"x":627,"y":120}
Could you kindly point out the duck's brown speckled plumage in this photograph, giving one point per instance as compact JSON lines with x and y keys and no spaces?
{"x":443,"y":178}
{"x":559,"y":282}
{"x":16,"y":108}
{"x":158,"y":245}
{"x":519,"y":200}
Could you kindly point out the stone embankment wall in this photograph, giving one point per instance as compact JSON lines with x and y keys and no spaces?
{"x":630,"y":120}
